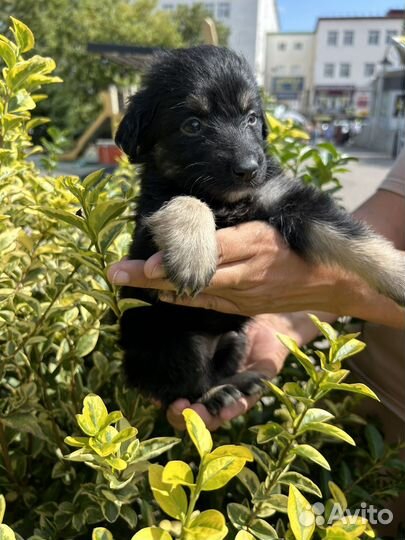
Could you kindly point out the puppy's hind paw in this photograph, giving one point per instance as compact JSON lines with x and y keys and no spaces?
{"x":219,"y":397}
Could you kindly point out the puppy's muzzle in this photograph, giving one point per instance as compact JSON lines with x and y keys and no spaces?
{"x":245,"y":169}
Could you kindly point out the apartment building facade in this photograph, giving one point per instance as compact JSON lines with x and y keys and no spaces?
{"x":249,"y":22}
{"x":348,"y":53}
{"x":330,"y":71}
{"x":289,"y":67}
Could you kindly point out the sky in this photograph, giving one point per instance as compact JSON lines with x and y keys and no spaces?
{"x":301,"y":15}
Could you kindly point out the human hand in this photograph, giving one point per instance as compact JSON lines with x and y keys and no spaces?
{"x":256,"y":273}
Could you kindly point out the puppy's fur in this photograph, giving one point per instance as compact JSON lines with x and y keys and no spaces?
{"x":198,"y":128}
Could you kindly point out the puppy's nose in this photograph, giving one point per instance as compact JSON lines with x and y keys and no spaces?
{"x":245,"y":169}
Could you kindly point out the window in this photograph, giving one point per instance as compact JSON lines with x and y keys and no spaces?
{"x":168,"y":7}
{"x":332,"y":37}
{"x":390,"y":34}
{"x":298,"y":45}
{"x":345,"y":70}
{"x":210,"y":7}
{"x":281,"y":46}
{"x":373,"y":37}
{"x":348,"y":37}
{"x":295,"y":69}
{"x":369,"y":70}
{"x":329,"y":70}
{"x":224,"y":10}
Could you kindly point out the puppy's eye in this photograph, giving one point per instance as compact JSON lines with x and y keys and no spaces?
{"x":252,"y":119}
{"x":191,"y":126}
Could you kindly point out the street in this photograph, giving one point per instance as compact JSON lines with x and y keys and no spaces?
{"x":364,"y":177}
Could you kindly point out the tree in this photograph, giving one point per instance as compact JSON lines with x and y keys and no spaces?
{"x":189,"y":20}
{"x":63,"y":28}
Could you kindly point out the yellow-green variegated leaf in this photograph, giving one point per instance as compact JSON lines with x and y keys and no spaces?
{"x":6,"y":533}
{"x":232,"y":450}
{"x":309,"y":452}
{"x":152,"y":533}
{"x":329,"y":430}
{"x":350,"y":348}
{"x":23,"y":35}
{"x":93,"y":415}
{"x":100,"y":533}
{"x":337,"y":495}
{"x":244,"y":535}
{"x":302,"y":358}
{"x":2,"y":507}
{"x":300,"y":514}
{"x":207,"y":525}
{"x":357,"y":388}
{"x":171,"y":499}
{"x":325,"y":328}
{"x":178,"y":473}
{"x":217,"y":472}
{"x":197,"y":431}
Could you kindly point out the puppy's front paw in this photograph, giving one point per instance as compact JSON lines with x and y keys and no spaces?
{"x":184,"y":229}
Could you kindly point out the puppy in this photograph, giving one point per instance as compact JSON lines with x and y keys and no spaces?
{"x":197,"y":127}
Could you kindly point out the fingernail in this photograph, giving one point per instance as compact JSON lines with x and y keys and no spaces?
{"x":119,"y":277}
{"x":157,"y":272}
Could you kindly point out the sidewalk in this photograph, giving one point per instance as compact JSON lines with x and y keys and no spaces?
{"x":364,"y":176}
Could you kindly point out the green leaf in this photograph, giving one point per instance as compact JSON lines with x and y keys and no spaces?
{"x":350,"y":348}
{"x":7,"y":52}
{"x":338,"y":495}
{"x":326,"y":329}
{"x":78,"y":442}
{"x":231,"y":450}
{"x":281,"y":396}
{"x":152,"y":533}
{"x":329,"y":430}
{"x":250,"y":480}
{"x":92,"y":179}
{"x":172,"y":500}
{"x":130,"y":303}
{"x":309,"y":452}
{"x":152,"y":448}
{"x":197,"y":431}
{"x":262,"y":530}
{"x":87,"y":342}
{"x":93,"y":416}
{"x":301,"y":482}
{"x":125,"y":435}
{"x":23,"y":35}
{"x":209,"y":524}
{"x":244,"y":535}
{"x":302,"y":358}
{"x":178,"y":473}
{"x":100,"y":533}
{"x":35,"y":66}
{"x":105,"y":212}
{"x":300,"y":515}
{"x":357,"y":388}
{"x":239,"y":515}
{"x":375,"y":442}
{"x":315,"y":415}
{"x":218,"y":472}
{"x":273,"y":503}
{"x":268,"y":432}
{"x":66,"y":217}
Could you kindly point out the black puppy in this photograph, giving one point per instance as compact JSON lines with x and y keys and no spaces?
{"x":198,"y":128}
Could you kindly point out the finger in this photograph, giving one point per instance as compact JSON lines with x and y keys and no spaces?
{"x":212,"y":422}
{"x":205,"y":301}
{"x":154,"y":266}
{"x":239,"y":407}
{"x":240,"y":242}
{"x":132,"y":273}
{"x":174,"y":413}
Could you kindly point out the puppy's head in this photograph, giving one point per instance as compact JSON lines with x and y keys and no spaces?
{"x":199,"y":121}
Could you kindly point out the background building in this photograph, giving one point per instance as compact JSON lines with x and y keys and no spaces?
{"x":249,"y":22}
{"x":347,"y":54}
{"x":289,"y":68}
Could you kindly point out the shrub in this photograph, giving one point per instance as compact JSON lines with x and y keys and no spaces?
{"x":58,"y":337}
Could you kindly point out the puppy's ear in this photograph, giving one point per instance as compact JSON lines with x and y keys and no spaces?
{"x":131,"y":135}
{"x":265,"y":126}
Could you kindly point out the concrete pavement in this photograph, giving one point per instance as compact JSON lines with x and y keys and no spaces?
{"x":364,"y":176}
